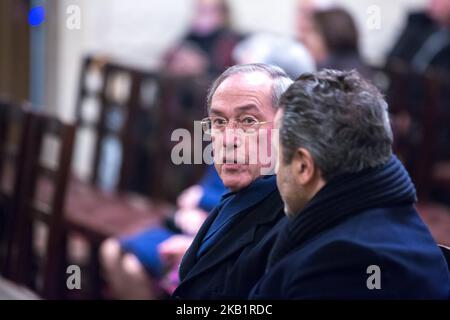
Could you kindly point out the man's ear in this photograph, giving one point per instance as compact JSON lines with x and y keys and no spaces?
{"x":303,"y":167}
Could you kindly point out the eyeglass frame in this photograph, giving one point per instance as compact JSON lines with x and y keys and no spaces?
{"x":236,"y":121}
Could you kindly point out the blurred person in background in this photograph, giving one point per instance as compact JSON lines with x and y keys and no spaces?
{"x":331,"y":35}
{"x":281,"y":51}
{"x":424,"y":43}
{"x":423,"y":48}
{"x":205,"y":51}
{"x":145,"y":265}
{"x":141,"y":265}
{"x":207,"y":47}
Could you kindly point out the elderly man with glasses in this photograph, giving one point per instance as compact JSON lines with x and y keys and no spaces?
{"x":228,"y":255}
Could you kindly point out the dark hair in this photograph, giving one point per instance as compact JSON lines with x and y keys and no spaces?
{"x":338,"y":30}
{"x":340,"y":118}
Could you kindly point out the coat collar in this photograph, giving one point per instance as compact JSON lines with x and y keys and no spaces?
{"x":233,"y":205}
{"x":345,"y":196}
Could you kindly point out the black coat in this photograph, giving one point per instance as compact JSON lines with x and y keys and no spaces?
{"x":417,"y":31}
{"x":237,"y":261}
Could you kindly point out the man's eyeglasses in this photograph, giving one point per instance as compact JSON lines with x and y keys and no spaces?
{"x":247,"y":124}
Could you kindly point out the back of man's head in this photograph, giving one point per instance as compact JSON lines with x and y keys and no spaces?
{"x":340,"y":118}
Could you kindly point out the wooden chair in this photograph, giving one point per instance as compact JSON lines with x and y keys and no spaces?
{"x":416,"y":103}
{"x":437,"y":134}
{"x":183,"y":101}
{"x":417,"y":100}
{"x":43,"y":195}
{"x":403,"y":108}
{"x":140,"y":133}
{"x":91,"y":212}
{"x":121,"y":111}
{"x":141,"y":121}
{"x":14,"y":123}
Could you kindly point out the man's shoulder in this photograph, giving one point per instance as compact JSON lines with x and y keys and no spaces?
{"x":376,"y":228}
{"x":395,"y":238}
{"x":344,"y":269}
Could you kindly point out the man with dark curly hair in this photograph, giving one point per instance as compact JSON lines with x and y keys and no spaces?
{"x":353,"y":230}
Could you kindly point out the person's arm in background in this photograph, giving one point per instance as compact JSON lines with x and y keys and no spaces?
{"x":196,"y":201}
{"x":213,"y":189}
{"x":194,"y":204}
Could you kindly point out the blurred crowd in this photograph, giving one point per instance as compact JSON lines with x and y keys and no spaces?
{"x":145,"y":265}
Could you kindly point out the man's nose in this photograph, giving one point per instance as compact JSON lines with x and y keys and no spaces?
{"x":232,"y":138}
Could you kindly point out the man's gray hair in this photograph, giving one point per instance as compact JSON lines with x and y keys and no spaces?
{"x":281,"y":81}
{"x":340,"y":118}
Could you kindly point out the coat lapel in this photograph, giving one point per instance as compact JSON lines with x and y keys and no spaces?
{"x":190,"y":257}
{"x":241,"y":234}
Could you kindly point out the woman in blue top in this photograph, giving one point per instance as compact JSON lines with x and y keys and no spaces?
{"x":142,"y":266}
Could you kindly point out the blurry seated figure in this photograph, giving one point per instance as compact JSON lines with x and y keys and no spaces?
{"x":332,"y":38}
{"x":284,"y":52}
{"x":207,"y":47}
{"x":423,"y":47}
{"x":188,"y":60}
{"x":425,"y":41}
{"x":145,"y":265}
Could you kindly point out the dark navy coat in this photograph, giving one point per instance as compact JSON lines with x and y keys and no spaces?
{"x":336,"y":263}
